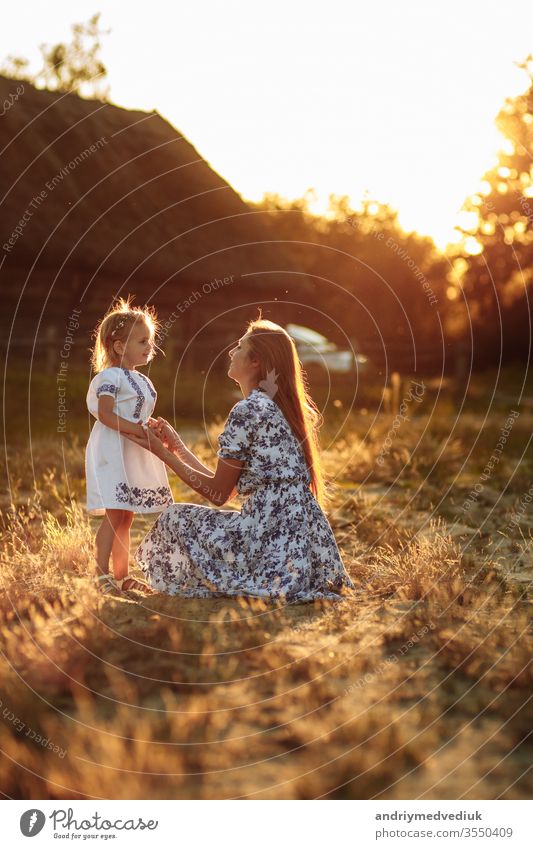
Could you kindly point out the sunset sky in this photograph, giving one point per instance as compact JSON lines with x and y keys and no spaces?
{"x":397,"y":99}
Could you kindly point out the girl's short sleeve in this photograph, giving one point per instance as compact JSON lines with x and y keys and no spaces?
{"x":106,"y":383}
{"x":235,"y":440}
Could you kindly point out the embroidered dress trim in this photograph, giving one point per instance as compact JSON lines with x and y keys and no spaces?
{"x":161,"y":496}
{"x":107,"y":389}
{"x":149,"y":386}
{"x":140,"y":396}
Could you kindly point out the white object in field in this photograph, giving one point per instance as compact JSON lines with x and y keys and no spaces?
{"x":315,"y":349}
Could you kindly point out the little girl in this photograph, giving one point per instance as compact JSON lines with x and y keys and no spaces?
{"x":122,"y":478}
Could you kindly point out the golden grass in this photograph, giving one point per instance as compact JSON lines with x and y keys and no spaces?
{"x":418,"y":687}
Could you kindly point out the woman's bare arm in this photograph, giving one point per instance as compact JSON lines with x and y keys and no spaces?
{"x":179,"y":448}
{"x":216,"y":486}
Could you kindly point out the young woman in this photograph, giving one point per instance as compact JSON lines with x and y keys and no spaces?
{"x":280,"y":544}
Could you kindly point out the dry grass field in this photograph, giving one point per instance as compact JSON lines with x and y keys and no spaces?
{"x":419,"y":686}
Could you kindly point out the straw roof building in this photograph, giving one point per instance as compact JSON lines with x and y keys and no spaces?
{"x":98,"y":201}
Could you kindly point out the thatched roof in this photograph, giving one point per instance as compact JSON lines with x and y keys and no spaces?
{"x":123,"y":198}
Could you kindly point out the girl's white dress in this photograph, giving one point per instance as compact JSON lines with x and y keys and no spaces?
{"x":120,"y":474}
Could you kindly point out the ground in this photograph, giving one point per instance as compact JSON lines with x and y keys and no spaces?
{"x":419,"y":686}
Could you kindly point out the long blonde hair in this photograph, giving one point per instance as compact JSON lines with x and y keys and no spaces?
{"x":278,"y":360}
{"x":116,"y":326}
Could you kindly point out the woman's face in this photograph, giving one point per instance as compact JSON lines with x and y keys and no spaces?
{"x":243,"y":366}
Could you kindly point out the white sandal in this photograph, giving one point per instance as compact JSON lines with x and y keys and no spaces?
{"x":106,"y":585}
{"x":137,"y":585}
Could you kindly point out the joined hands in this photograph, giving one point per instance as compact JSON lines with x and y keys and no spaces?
{"x":158,"y":437}
{"x":165,"y":432}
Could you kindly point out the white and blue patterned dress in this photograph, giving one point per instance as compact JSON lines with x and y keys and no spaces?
{"x":121,"y":475}
{"x":280,"y":543}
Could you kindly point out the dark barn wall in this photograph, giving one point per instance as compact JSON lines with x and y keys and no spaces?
{"x":99,"y":201}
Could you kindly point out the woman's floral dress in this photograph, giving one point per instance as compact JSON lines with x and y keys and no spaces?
{"x":279,"y":544}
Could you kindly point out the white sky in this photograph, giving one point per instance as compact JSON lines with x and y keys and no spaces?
{"x":395,"y":98}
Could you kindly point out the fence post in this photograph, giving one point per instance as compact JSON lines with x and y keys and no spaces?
{"x":461,"y":373}
{"x":396,"y":383}
{"x":51,"y":348}
{"x":169,"y":347}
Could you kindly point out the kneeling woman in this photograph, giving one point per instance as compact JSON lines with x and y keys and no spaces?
{"x":280,"y":544}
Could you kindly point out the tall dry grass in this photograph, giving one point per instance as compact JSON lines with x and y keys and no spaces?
{"x":419,"y":686}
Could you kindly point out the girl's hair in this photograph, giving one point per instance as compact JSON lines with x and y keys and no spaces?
{"x":116,"y":326}
{"x":281,"y":369}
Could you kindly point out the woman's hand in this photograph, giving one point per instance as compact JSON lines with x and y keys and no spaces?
{"x":166,"y":433}
{"x":156,"y":428}
{"x":150,"y":441}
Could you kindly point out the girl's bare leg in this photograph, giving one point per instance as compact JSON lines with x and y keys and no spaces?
{"x":121,"y":547}
{"x":105,"y":538}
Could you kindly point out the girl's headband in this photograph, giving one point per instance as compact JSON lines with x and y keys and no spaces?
{"x":120,"y":324}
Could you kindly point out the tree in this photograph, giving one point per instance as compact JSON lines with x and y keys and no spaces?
{"x":74,"y":67}
{"x":498,"y":268}
{"x":379,"y":285}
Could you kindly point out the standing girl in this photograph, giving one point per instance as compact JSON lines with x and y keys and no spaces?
{"x":122,"y":478}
